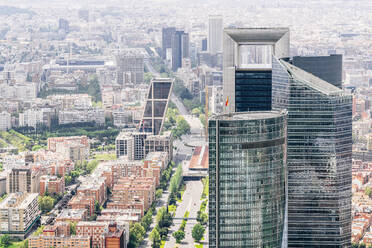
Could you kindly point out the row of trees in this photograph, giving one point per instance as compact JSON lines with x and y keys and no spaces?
{"x":160,"y":232}
{"x":361,"y":245}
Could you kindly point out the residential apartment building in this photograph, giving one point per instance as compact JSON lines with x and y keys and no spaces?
{"x":96,"y":115}
{"x":23,"y":179}
{"x":18,"y":214}
{"x":95,"y":230}
{"x":5,"y":121}
{"x":52,"y":185}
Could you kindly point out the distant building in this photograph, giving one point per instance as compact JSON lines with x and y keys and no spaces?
{"x":156,"y":105}
{"x":31,"y":118}
{"x":328,"y":68}
{"x":84,"y":15}
{"x":180,"y":48}
{"x":64,"y":25}
{"x":96,"y":115}
{"x":167,"y":34}
{"x":18,"y":214}
{"x":159,"y":143}
{"x":23,"y":179}
{"x":136,"y":145}
{"x":130,"y":67}
{"x":130,"y":144}
{"x":5,"y":121}
{"x":215,"y":28}
{"x":205,"y":44}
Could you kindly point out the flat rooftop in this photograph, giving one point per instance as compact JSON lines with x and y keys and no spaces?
{"x":254,"y":115}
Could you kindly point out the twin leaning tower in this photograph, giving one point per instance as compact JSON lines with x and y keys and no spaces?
{"x":280,"y":157}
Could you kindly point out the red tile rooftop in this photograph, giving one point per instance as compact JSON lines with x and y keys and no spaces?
{"x":199,"y":159}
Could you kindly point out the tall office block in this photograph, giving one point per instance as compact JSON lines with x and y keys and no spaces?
{"x":167,"y":34}
{"x":24,"y":180}
{"x":215,"y":29}
{"x":247,"y":173}
{"x":247,"y":67}
{"x":328,"y":68}
{"x":318,"y":157}
{"x":130,"y":67}
{"x":64,"y":25}
{"x":156,"y":105}
{"x":180,"y":48}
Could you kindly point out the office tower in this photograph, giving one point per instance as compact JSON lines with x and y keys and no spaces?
{"x":215,"y":34}
{"x":130,"y":67}
{"x":328,"y":68}
{"x":156,"y":105}
{"x":23,"y":179}
{"x":167,"y":34}
{"x":247,"y":173}
{"x":180,"y":48}
{"x":247,"y":69}
{"x":204,"y":44}
{"x":63,"y":24}
{"x":19,"y":212}
{"x":319,"y":157}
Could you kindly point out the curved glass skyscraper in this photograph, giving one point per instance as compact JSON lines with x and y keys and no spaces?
{"x":247,"y":170}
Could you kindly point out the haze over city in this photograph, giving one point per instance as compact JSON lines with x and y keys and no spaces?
{"x":173,"y":123}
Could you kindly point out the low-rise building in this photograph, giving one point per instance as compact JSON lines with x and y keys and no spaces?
{"x":81,"y":201}
{"x":72,"y":215}
{"x":52,"y":185}
{"x":95,"y":230}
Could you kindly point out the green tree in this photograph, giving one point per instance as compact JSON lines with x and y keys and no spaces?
{"x":73,"y":228}
{"x":136,"y":233}
{"x":91,"y":166}
{"x":368,"y":191}
{"x":198,"y":232}
{"x":147,"y":77}
{"x":202,"y":218}
{"x":155,"y":238}
{"x":5,"y":240}
{"x":179,"y":236}
{"x":46,"y":203}
{"x":97,"y":208}
{"x":362,"y":245}
{"x":158,"y":193}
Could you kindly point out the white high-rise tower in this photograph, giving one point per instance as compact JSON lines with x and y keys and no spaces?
{"x":215,"y":34}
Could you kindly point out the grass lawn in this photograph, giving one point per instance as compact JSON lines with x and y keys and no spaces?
{"x":105,"y":156}
{"x":199,"y":246}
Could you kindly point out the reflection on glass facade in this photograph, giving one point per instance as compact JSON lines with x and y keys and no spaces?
{"x":252,"y":90}
{"x":247,"y":173}
{"x":156,"y":105}
{"x":318,"y":157}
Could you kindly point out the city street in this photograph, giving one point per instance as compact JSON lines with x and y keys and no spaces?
{"x":190,"y":202}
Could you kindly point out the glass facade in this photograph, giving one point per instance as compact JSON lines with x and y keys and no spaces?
{"x":156,"y":105}
{"x":252,"y":90}
{"x":318,"y":158}
{"x":247,"y":173}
